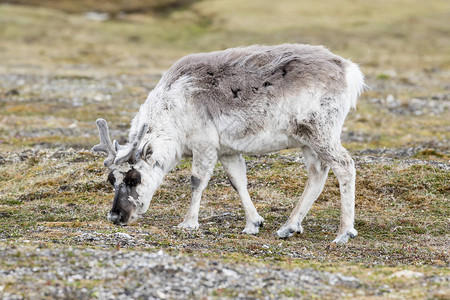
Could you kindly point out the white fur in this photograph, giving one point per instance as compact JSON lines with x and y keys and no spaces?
{"x":150,"y":181}
{"x":355,"y":83}
{"x":179,"y":127}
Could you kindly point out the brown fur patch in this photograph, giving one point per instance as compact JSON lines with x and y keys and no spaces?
{"x":252,"y":79}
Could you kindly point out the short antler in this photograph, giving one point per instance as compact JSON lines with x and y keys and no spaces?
{"x":126,"y":153}
{"x":105,"y":142}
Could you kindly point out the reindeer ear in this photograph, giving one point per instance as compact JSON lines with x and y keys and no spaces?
{"x":128,"y":151}
{"x":146,"y":151}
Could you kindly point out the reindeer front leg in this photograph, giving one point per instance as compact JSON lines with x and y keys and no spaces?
{"x":235,"y":168}
{"x":203,"y":161}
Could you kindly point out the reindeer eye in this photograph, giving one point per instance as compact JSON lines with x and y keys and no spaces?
{"x":133,"y":178}
{"x":111,"y":178}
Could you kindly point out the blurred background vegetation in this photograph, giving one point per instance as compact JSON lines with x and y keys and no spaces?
{"x":390,"y":34}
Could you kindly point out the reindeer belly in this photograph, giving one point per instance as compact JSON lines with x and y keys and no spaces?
{"x":257,"y":143}
{"x":256,"y":132}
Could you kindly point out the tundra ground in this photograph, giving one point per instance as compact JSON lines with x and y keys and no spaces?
{"x":61,"y":71}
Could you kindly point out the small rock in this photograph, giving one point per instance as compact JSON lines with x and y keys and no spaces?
{"x":406,"y":274}
{"x":161,"y":295}
{"x":97,"y":16}
{"x":390,"y":98}
{"x":229,"y":273}
{"x":122,"y":235}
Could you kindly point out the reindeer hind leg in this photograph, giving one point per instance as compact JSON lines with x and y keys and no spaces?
{"x":317,"y":175}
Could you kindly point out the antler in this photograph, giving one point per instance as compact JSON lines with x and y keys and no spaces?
{"x":117,"y":154}
{"x":105,"y":142}
{"x":127,"y":151}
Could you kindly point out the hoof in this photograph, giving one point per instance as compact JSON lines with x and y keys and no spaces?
{"x":188,"y":226}
{"x":343,"y":238}
{"x":253,"y":227}
{"x":287,"y":231}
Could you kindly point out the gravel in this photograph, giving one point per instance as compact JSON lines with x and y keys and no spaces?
{"x":73,"y":90}
{"x":64,"y":272}
{"x":434,"y":105}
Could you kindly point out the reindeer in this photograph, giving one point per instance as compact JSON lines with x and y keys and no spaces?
{"x":247,"y":100}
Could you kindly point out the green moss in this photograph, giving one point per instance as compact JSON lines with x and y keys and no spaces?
{"x":383,"y":76}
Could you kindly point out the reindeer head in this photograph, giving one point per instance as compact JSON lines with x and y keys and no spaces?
{"x":130,"y":174}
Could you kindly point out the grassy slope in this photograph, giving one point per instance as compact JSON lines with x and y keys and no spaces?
{"x":402,"y":211}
